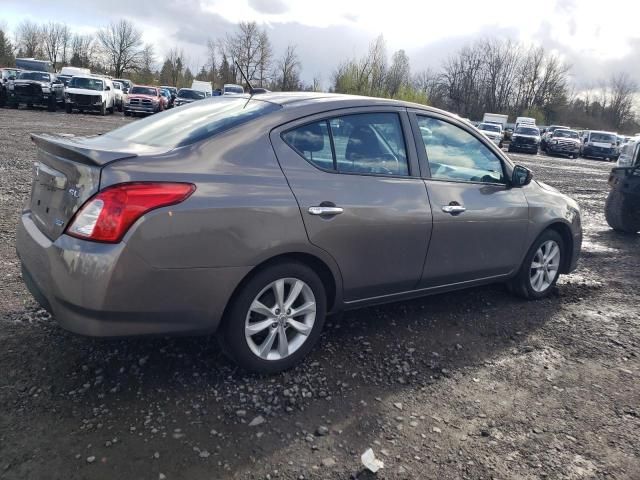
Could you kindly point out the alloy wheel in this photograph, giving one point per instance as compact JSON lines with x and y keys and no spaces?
{"x":545,"y":266}
{"x":280,"y":319}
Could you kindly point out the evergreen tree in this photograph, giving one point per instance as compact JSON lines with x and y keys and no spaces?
{"x":6,"y":50}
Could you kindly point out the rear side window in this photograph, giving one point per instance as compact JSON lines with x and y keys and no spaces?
{"x":194,"y":122}
{"x":371,"y":143}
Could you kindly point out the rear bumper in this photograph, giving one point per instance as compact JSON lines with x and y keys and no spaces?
{"x":104,"y":290}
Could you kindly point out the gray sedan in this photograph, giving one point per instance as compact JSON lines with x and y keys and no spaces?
{"x":256,"y":217}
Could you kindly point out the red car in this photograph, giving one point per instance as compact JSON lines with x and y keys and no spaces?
{"x":144,"y":99}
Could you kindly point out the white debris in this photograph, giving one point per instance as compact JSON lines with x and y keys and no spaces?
{"x":370,"y":461}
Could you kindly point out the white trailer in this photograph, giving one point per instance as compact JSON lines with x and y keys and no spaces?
{"x":496,"y":118}
{"x":525,"y":121}
{"x":202,"y":86}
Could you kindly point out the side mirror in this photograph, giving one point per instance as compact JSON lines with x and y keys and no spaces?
{"x":107,"y":88}
{"x":521,"y":176}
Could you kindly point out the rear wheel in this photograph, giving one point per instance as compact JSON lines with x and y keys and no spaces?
{"x":541,"y":267}
{"x":275,"y":319}
{"x":622,"y":211}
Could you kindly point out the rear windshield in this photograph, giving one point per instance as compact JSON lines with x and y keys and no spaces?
{"x":604,"y":137}
{"x":143,"y":91}
{"x":527,"y":131}
{"x":39,"y":76}
{"x":193,"y":122}
{"x":86,"y":83}
{"x":187,"y":93}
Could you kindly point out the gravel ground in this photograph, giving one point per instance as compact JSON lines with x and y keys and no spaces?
{"x":474,"y":384}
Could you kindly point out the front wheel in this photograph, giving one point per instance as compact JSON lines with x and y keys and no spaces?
{"x":541,"y":267}
{"x":103,"y":109}
{"x":275,"y":319}
{"x":68,"y":108}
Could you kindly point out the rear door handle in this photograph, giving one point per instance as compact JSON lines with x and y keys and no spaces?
{"x":325,"y":210}
{"x":453,"y":209}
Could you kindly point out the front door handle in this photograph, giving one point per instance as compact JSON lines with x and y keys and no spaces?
{"x":325,"y":210}
{"x":453,"y":209}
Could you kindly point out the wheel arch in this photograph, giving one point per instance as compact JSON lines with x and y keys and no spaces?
{"x":567,"y":239}
{"x":329,"y":277}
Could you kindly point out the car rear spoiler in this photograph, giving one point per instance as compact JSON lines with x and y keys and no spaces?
{"x":74,"y":149}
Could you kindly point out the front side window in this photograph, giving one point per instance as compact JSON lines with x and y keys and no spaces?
{"x":369,"y":143}
{"x":454,"y":154}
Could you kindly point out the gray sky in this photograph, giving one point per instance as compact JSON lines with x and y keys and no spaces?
{"x":598,"y":38}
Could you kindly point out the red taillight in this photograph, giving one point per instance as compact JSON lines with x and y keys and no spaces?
{"x":107,"y":216}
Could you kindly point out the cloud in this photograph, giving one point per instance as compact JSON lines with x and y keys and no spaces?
{"x":595,"y":43}
{"x":270,"y":7}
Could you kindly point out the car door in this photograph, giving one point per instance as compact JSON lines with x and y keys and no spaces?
{"x":479,"y":222}
{"x":356,"y":180}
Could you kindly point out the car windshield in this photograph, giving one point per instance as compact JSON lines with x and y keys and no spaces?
{"x":527,"y":131}
{"x":188,"y":93}
{"x":565,"y":134}
{"x":604,"y":137}
{"x":86,"y":83}
{"x":489,"y":127}
{"x":143,"y":91}
{"x":40,"y":76}
{"x":232,"y":89}
{"x":193,"y":122}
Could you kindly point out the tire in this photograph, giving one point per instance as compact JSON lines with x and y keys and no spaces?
{"x":127,"y":113}
{"x":120,"y":107}
{"x":522,"y":284}
{"x":243,"y":348}
{"x":622,"y":212}
{"x":68,"y":108}
{"x":103,"y":109}
{"x":52,"y":105}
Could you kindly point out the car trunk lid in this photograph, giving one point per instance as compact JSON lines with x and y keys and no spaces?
{"x":66,"y":174}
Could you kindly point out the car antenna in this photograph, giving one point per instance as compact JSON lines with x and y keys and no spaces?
{"x":251,"y":90}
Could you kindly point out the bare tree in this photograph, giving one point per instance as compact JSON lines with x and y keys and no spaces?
{"x":82,"y":50}
{"x":122,"y":44}
{"x":623,"y":90}
{"x":399,"y":73}
{"x":288,"y":70}
{"x":212,"y":51}
{"x":55,"y":41}
{"x":29,"y":39}
{"x":251,"y":48}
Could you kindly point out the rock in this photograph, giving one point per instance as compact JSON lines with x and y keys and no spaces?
{"x":156,"y":455}
{"x":328,"y":462}
{"x":321,"y":431}
{"x":485,"y":432}
{"x":436,"y":430}
{"x":398,"y":405}
{"x":537,"y":430}
{"x":204,"y":454}
{"x":162,"y":476}
{"x":259,"y":420}
{"x":142,"y":361}
{"x":91,"y":459}
{"x":241,"y":413}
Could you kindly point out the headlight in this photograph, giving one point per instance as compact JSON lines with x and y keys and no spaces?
{"x":45,"y":89}
{"x":555,"y":142}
